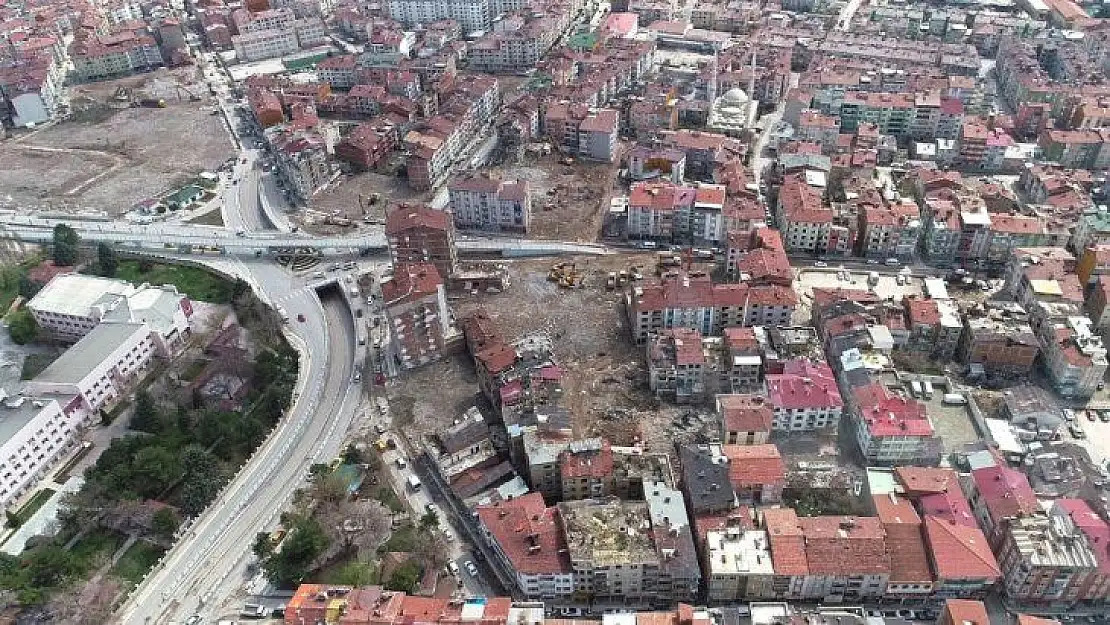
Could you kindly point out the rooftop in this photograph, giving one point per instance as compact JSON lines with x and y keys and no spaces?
{"x":606,"y":532}
{"x":528,"y":533}
{"x":77,"y":362}
{"x":76,"y":294}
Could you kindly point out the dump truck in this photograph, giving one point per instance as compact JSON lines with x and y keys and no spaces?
{"x":152,"y":103}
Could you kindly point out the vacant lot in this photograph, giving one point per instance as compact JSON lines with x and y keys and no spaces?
{"x":362,"y":198}
{"x":568,"y":201}
{"x":110,"y":156}
{"x":605,"y":380}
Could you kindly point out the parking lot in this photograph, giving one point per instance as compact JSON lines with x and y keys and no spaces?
{"x":832,"y":277}
{"x":1097,"y":437}
{"x":953,"y":424}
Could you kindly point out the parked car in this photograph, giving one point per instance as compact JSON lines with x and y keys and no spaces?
{"x":470,"y":568}
{"x":1076,"y":431}
{"x":453,"y":568}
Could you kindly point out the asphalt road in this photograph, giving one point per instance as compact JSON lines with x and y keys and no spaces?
{"x":206,"y":569}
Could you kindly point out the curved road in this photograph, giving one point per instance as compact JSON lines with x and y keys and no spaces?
{"x":209,"y":563}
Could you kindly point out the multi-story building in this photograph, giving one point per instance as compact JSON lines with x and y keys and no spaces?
{"x":586,"y":470}
{"x":1048,"y":562}
{"x":677,"y":364}
{"x":888,"y":231}
{"x":100,"y":367}
{"x":525,"y":536}
{"x":618,"y":553}
{"x":892,"y":112}
{"x":1077,"y":149}
{"x":997,"y":337}
{"x":334,"y":604}
{"x":301,"y":159}
{"x":418,"y":234}
{"x":367,"y":145}
{"x":1093,"y":229}
{"x":745,"y":419}
{"x":39,"y":431}
{"x":72,"y":305}
{"x":756,"y":472}
{"x":487,"y":203}
{"x":1098,"y":304}
{"x":415,"y":305}
{"x":1074,"y":356}
{"x":847,"y":558}
{"x":98,"y":57}
{"x":964,"y":612}
{"x":692,"y":301}
{"x":934,"y":327}
{"x":804,"y":397}
{"x":738,"y":565}
{"x":998,"y":495}
{"x":32,"y":89}
{"x":581,"y":131}
{"x":471,"y":16}
{"x":963,"y":564}
{"x":803,"y":219}
{"x":1094,"y":262}
{"x":743,"y":361}
{"x":893,"y":430}
{"x":910,"y":575}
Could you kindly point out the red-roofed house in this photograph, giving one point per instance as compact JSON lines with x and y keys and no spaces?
{"x":804,"y":396}
{"x":892,"y":429}
{"x":525,"y":535}
{"x":579,"y":131}
{"x":1097,"y":532}
{"x":847,"y":557}
{"x":910,"y":575}
{"x":964,"y":612}
{"x":745,"y":419}
{"x":962,"y":561}
{"x":587,"y":473}
{"x":998,"y":495}
{"x":765,"y":261}
{"x":420,"y":234}
{"x":417,"y":318}
{"x":804,"y":220}
{"x":656,"y":208}
{"x":788,"y":550}
{"x":488,"y":203}
{"x":757,"y":473}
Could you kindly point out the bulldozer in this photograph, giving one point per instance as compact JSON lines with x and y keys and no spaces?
{"x":565,"y":275}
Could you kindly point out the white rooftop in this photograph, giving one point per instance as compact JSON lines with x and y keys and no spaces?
{"x":76,"y":294}
{"x":733,"y":551}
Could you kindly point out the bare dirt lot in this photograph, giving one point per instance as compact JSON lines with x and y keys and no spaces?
{"x":605,"y":380}
{"x":110,"y":156}
{"x":352,"y":197}
{"x":568,"y":201}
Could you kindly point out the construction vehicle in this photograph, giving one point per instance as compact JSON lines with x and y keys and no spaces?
{"x":611,"y":281}
{"x":566,"y":275}
{"x":152,"y":103}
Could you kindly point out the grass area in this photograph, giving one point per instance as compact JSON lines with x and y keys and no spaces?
{"x":193,"y":370}
{"x":137,"y":561}
{"x":9,"y":279}
{"x":32,"y":506}
{"x":350,"y":573}
{"x":35,"y":364}
{"x":211,"y":218}
{"x":197,"y":283}
{"x":98,"y":543}
{"x":403,"y":539}
{"x":389,"y":499}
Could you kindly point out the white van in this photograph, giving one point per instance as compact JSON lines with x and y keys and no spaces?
{"x":414,"y":482}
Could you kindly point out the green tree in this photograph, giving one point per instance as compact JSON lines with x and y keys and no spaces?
{"x":23,"y":327}
{"x":28,"y":288}
{"x":355,"y":573}
{"x":154,"y":469}
{"x":429,"y":520}
{"x":262,"y":547}
{"x":106,"y":259}
{"x":304,"y":543}
{"x":201,"y":481}
{"x":66,"y":242}
{"x":405,"y":577}
{"x":50,"y":565}
{"x":146,"y":417}
{"x":164,"y":523}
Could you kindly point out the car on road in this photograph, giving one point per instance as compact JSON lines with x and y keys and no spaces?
{"x":401,"y":464}
{"x":254,"y":610}
{"x":470,"y":568}
{"x":193,"y":620}
{"x":1104,"y":416}
{"x":820,"y":264}
{"x":1076,"y":431}
{"x":300,"y":317}
{"x":453,"y":568}
{"x":872,"y":261}
{"x":1091,"y":415}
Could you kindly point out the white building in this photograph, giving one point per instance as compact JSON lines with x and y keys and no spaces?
{"x":71,"y":305}
{"x":265,"y":44}
{"x":34,"y":433}
{"x":739,"y":564}
{"x":100,"y":367}
{"x":472,"y":15}
{"x":490,"y":204}
{"x":1074,"y":356}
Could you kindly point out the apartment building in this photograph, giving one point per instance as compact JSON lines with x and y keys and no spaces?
{"x":72,"y":305}
{"x":745,"y":419}
{"x":757,"y":473}
{"x":32,"y":90}
{"x":803,"y":219}
{"x":692,"y":301}
{"x":889,"y":231}
{"x":527,"y":537}
{"x":415,"y":305}
{"x":121,"y":53}
{"x":675,"y":213}
{"x":743,"y":369}
{"x":1074,"y":356}
{"x":37,"y":432}
{"x":998,"y":338}
{"x":471,"y":16}
{"x":486,"y":203}
{"x":910,"y":575}
{"x":998,"y":496}
{"x":847,"y":558}
{"x":804,"y":397}
{"x":892,"y":113}
{"x":677,"y":365}
{"x":1048,"y":562}
{"x":581,"y":131}
{"x":99,"y":368}
{"x":892,"y":429}
{"x":418,"y":234}
{"x":367,"y":145}
{"x":738,"y":565}
{"x":934,"y":327}
{"x":301,"y":159}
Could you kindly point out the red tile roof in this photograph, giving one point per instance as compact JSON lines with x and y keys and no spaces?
{"x":1093,"y":527}
{"x":837,"y":545}
{"x":922,"y":311}
{"x":528,"y":533}
{"x":959,"y":551}
{"x":745,"y":413}
{"x":1026,"y":619}
{"x":965,"y":612}
{"x":905,"y":545}
{"x":660,"y":196}
{"x":804,"y":384}
{"x":1005,"y":492}
{"x":891,"y":415}
{"x":411,"y":281}
{"x":597,"y":464}
{"x":497,"y":357}
{"x":406,"y":218}
{"x":788,"y":545}
{"x":950,"y":506}
{"x":754,"y":465}
{"x":924,"y":480}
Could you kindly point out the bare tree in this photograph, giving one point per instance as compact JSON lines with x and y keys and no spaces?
{"x":361,"y":524}
{"x":85,"y":603}
{"x":433,"y":550}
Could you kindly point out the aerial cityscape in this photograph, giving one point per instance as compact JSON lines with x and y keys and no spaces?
{"x":554,"y":312}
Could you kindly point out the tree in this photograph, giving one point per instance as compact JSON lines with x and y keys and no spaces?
{"x":22,"y":327}
{"x":356,"y":573}
{"x":49,"y":565}
{"x":28,"y":288}
{"x":202,"y":479}
{"x":88,"y":603}
{"x":429,"y":520}
{"x":66,"y":243}
{"x":164,"y":523}
{"x":106,"y":259}
{"x":361,"y":524}
{"x":304,"y":543}
{"x":433,"y":550}
{"x":405,"y":577}
{"x":146,"y":417}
